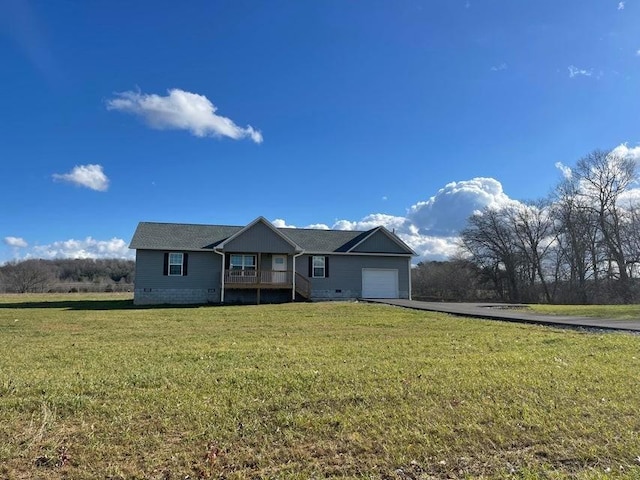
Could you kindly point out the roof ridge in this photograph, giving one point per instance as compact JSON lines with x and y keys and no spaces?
{"x":323,"y":229}
{"x":194,"y":224}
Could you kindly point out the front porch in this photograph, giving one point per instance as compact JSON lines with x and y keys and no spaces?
{"x":245,"y":272}
{"x":267,"y":279}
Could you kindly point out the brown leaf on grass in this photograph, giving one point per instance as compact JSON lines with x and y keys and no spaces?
{"x":212,"y":453}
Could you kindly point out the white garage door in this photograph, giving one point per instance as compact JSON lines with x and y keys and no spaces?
{"x":379,"y":283}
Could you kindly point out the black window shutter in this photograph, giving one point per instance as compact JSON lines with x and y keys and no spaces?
{"x":185,"y":263}
{"x":227,"y":261}
{"x":310,"y":266}
{"x":165,"y":271}
{"x":326,"y":267}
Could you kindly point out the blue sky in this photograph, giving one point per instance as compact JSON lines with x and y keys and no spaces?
{"x":341,"y":114}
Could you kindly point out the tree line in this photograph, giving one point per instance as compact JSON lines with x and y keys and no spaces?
{"x":37,"y":275}
{"x":581,"y":244}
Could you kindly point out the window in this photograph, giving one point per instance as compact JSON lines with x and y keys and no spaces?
{"x":319,"y":267}
{"x":175,"y":264}
{"x":246,"y":263}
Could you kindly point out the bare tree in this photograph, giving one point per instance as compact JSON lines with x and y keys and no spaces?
{"x":27,"y":276}
{"x":599,"y":179}
{"x":533,"y":234}
{"x":491,"y":241}
{"x":577,"y":242}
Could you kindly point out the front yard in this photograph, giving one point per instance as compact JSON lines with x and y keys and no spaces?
{"x":93,"y":388}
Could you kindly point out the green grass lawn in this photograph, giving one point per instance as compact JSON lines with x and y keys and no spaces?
{"x":622,"y":312}
{"x":93,"y":388}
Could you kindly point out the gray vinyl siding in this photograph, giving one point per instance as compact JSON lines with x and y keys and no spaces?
{"x":259,"y":238}
{"x":379,"y":243}
{"x":266,"y":261}
{"x":203,"y":275}
{"x":345,"y":275}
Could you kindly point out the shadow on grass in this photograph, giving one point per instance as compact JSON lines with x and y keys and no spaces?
{"x":89,"y":305}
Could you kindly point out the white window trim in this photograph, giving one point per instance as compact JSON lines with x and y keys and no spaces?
{"x":313,"y":266}
{"x":243,"y":266}
{"x":176,"y":263}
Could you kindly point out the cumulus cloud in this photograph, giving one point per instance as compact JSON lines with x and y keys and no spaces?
{"x":566,"y":171}
{"x":575,"y":71}
{"x":497,"y":68}
{"x":16,"y":242}
{"x":181,"y":110}
{"x":432,"y":227}
{"x":391,"y":222}
{"x":89,"y":176}
{"x":621,"y":5}
{"x":447,"y":211}
{"x":318,"y":226}
{"x":624,"y":151}
{"x":280,"y":223}
{"x":87,"y":248}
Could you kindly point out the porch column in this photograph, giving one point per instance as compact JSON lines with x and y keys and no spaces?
{"x":221,"y":275}
{"x":293,"y":280}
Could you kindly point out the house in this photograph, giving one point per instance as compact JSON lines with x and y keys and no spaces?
{"x":259,"y":263}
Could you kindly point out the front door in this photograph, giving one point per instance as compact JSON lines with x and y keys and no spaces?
{"x":279,"y":267}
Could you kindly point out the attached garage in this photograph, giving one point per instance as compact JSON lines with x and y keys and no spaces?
{"x":379,"y":283}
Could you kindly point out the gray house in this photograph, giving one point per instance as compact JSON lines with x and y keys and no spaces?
{"x":180,"y":264}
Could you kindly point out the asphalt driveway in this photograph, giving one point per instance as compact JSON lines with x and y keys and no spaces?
{"x":514,"y":313}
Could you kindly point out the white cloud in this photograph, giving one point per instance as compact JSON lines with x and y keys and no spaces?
{"x":181,"y":110}
{"x":623,"y":151}
{"x":621,"y":5}
{"x":318,"y":226}
{"x":16,"y":242}
{"x":566,"y":171}
{"x":280,"y":223}
{"x":497,"y":68}
{"x":391,"y":222}
{"x":90,"y":176}
{"x":431,"y":227}
{"x":638,"y":52}
{"x":575,"y":71}
{"x":87,"y":248}
{"x":447,"y":211}
{"x":630,"y":197}
{"x":432,"y":248}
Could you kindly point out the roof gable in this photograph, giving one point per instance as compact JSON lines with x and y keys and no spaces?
{"x":381,"y":240}
{"x":259,"y":236}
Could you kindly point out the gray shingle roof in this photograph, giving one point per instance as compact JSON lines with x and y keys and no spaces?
{"x":180,"y":236}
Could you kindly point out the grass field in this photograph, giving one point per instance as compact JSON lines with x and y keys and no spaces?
{"x":630,"y":312}
{"x":93,"y":388}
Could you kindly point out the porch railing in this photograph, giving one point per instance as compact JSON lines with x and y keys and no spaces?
{"x":303,"y":286}
{"x":253,"y":278}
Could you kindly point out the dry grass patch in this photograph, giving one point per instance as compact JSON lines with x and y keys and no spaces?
{"x":93,"y":388}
